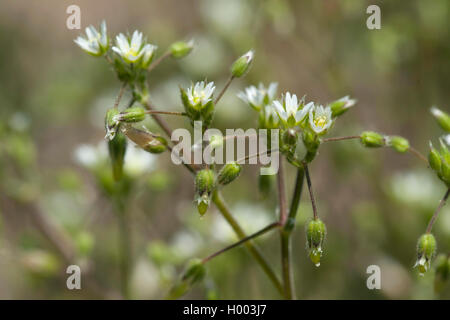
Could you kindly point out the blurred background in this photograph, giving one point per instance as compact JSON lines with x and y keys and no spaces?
{"x":56,"y":207}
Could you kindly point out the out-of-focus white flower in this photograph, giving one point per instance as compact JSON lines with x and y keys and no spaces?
{"x":134,"y":49}
{"x":186,"y":244}
{"x":95,"y":43}
{"x":259,"y":97}
{"x":200,"y":94}
{"x":89,"y":155}
{"x":320,"y":119}
{"x":290,"y":110}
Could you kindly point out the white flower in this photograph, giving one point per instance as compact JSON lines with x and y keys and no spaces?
{"x":320,"y":119}
{"x":257,"y":97}
{"x":147,"y":57}
{"x":96,"y":43}
{"x":200,"y":94}
{"x":132,"y":50}
{"x":291,"y":111}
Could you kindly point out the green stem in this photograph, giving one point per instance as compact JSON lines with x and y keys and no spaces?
{"x":124,"y":248}
{"x":286,"y":233}
{"x":254,"y":251}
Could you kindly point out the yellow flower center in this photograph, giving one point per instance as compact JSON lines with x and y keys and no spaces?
{"x":320,"y":121}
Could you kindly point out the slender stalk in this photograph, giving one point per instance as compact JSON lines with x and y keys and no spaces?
{"x":311,"y":194}
{"x":254,"y":251}
{"x":281,"y":193}
{"x":436,"y":213}
{"x":416,"y":153}
{"x":243,"y":240}
{"x":119,"y":96}
{"x":340,"y":138}
{"x":160,"y":121}
{"x":158,"y":61}
{"x":286,"y":233}
{"x":172,"y":113}
{"x":230,"y":79}
{"x":124,"y":248}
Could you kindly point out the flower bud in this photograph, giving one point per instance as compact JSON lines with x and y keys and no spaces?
{"x":426,"y":249}
{"x":194,"y":273}
{"x":290,"y":137}
{"x":399,"y":144}
{"x":442,"y":272}
{"x":434,"y":158}
{"x":145,"y":140}
{"x":241,"y":65}
{"x":117,"y":148}
{"x":133,"y":114}
{"x":315,"y":235}
{"x":229,"y":172}
{"x":340,"y":106}
{"x":111,"y":124}
{"x":372,"y":139}
{"x":180,"y":49}
{"x":203,"y":202}
{"x":205,"y":181}
{"x":442,"y":118}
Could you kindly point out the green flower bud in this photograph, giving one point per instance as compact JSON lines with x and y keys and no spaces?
{"x":426,"y":249}
{"x":434,"y":158}
{"x":241,"y":65}
{"x":203,"y":203}
{"x":194,"y":273}
{"x":442,"y":272}
{"x":340,"y":106}
{"x":442,"y":118}
{"x":180,"y":49}
{"x":216,"y":141}
{"x":133,"y":114}
{"x":111,"y":123}
{"x":145,"y":140}
{"x":229,"y":172}
{"x":372,"y":139}
{"x":205,"y":181}
{"x":290,"y":137}
{"x":315,"y":236}
{"x":399,"y":144}
{"x":117,"y":148}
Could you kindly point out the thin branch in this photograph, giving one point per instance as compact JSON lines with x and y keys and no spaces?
{"x":416,"y":153}
{"x":243,"y":240}
{"x":290,"y":222}
{"x":172,"y":113}
{"x":119,"y":96}
{"x":340,"y":138}
{"x":161,"y":122}
{"x":308,"y":181}
{"x":230,"y":79}
{"x":158,"y":61}
{"x":281,"y":193}
{"x":436,"y":213}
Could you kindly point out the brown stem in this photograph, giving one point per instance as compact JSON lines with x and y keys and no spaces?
{"x":308,"y":181}
{"x":416,"y":153}
{"x":158,"y":61}
{"x":340,"y":138}
{"x":243,"y":240}
{"x":435,"y":214}
{"x":172,"y":113}
{"x":119,"y":96}
{"x":230,"y":79}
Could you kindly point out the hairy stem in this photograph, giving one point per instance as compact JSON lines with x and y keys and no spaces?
{"x":340,"y":138}
{"x":243,"y":240}
{"x":119,"y":96}
{"x":311,"y":194}
{"x":158,"y":61}
{"x":124,"y":248}
{"x":171,"y":113}
{"x":254,"y":251}
{"x":438,"y":209}
{"x":281,"y":193}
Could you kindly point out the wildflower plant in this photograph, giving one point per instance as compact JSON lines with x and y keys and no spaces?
{"x":303,"y":127}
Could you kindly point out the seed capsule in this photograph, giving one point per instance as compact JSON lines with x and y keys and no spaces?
{"x":315,"y":236}
{"x":399,"y":144}
{"x":372,"y":139}
{"x":229,"y":172}
{"x":434,"y":158}
{"x":426,"y":249}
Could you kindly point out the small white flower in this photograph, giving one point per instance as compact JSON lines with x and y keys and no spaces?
{"x":132,"y":50}
{"x":200,"y":94}
{"x":149,"y":50}
{"x":96,"y":43}
{"x":320,"y":119}
{"x":258,"y":97}
{"x":291,"y":111}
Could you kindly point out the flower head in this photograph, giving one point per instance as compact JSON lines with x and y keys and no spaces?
{"x":200,"y":94}
{"x":290,"y":110}
{"x":95,"y":43}
{"x":134,"y":49}
{"x":259,"y":97}
{"x":320,"y":119}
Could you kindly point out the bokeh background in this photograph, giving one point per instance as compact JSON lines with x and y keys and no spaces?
{"x":55,"y":181}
